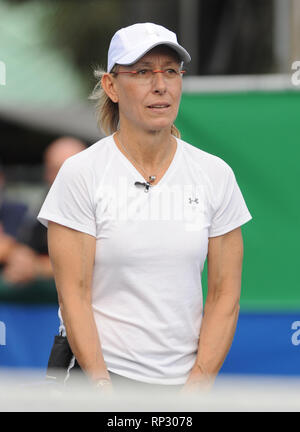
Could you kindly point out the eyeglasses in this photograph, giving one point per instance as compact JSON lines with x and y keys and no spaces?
{"x":146,"y":75}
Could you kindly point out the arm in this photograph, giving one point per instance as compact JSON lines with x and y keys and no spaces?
{"x":224,"y":266}
{"x":7,"y":244}
{"x":72,"y":255}
{"x":24,"y":265}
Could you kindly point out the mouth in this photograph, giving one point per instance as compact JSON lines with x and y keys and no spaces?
{"x":159,"y":106}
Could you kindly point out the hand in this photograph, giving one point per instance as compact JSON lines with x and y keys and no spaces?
{"x":198,"y":381}
{"x":105,"y":386}
{"x":22,"y":266}
{"x":7,"y":244}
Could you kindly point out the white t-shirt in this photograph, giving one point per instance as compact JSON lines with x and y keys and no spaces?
{"x":150,"y":250}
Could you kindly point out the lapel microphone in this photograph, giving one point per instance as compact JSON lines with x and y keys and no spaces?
{"x":146,"y":185}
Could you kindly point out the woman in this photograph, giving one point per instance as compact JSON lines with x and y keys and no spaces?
{"x":128,"y":264}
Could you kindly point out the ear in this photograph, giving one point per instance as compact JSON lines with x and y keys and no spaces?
{"x":109,"y":86}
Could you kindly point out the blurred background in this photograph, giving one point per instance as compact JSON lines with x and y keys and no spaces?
{"x":239,"y":102}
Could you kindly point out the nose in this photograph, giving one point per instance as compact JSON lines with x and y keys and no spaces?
{"x":159,"y":83}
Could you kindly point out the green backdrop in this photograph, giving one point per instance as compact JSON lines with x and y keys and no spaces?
{"x":258,"y":135}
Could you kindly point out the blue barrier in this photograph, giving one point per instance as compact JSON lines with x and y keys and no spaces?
{"x":30,"y":331}
{"x":264,"y":343}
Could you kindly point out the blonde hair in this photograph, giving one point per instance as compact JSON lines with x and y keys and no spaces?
{"x":107,"y":111}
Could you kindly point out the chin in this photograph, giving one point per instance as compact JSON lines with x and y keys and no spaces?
{"x":159,"y":126}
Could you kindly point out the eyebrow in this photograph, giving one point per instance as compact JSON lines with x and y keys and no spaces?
{"x":146,"y":63}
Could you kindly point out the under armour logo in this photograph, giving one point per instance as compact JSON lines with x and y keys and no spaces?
{"x":195,"y":201}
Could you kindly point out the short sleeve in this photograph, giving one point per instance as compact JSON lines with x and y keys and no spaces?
{"x":69,"y":201}
{"x":231,"y":210}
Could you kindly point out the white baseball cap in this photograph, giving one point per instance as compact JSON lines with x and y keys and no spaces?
{"x":129,"y":44}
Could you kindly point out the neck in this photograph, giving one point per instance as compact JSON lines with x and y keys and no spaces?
{"x":150,"y":150}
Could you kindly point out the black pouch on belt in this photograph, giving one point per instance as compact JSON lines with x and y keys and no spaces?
{"x":60,"y":358}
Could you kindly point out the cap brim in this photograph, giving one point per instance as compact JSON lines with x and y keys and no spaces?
{"x":139,"y":52}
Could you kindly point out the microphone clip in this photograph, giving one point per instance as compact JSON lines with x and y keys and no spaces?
{"x":146,"y":185}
